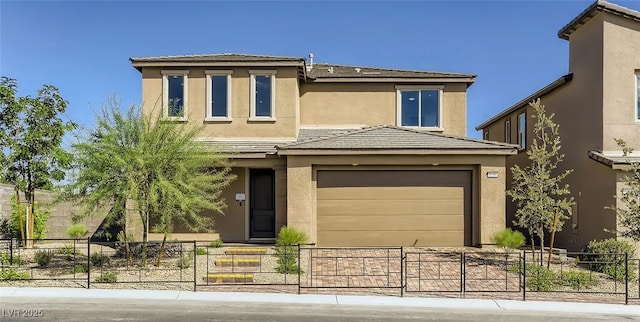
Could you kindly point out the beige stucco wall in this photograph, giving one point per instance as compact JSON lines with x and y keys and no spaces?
{"x":621,"y":61}
{"x":344,"y":104}
{"x":487,"y":207}
{"x":286,"y":102}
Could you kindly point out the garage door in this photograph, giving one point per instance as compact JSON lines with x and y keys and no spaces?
{"x":394,"y":208}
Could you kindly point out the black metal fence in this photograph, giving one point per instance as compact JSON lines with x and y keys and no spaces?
{"x":400,"y":271}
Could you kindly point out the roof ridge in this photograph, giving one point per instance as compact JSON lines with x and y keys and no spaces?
{"x":395,"y":69}
{"x":332,"y":136}
{"x":216,"y":54}
{"x":460,"y":138}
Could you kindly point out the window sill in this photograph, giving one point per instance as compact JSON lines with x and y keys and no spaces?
{"x":420,"y":128}
{"x":262,"y":119}
{"x":218,"y":119}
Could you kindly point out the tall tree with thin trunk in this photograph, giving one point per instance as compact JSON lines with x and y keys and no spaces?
{"x":542,"y":199}
{"x":31,"y":142}
{"x":157,"y":165}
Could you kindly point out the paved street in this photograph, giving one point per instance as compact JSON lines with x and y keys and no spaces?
{"x":78,"y":309}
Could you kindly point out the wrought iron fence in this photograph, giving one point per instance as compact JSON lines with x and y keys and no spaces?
{"x":190,"y":265}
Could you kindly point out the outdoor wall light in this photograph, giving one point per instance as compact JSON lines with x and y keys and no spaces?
{"x":492,"y":174}
{"x":240,"y":197}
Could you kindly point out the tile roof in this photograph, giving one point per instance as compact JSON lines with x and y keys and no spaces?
{"x":268,"y":147}
{"x":524,"y":102}
{"x":387,"y":137}
{"x":613,"y":161}
{"x":591,"y":11}
{"x":345,"y":71}
{"x":216,"y":58}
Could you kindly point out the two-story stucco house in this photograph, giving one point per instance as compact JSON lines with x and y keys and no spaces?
{"x":353,"y":156}
{"x":597,"y":101}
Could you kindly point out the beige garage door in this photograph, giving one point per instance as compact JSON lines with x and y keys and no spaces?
{"x":394,"y":208}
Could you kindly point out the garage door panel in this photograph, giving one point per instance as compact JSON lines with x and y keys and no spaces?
{"x":398,"y":193}
{"x":396,"y":222}
{"x":391,"y":238}
{"x":381,"y":207}
{"x":393,"y":208}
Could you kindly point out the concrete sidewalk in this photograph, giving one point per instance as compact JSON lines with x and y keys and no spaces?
{"x":502,"y":305}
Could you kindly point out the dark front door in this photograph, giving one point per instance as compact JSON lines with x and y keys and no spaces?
{"x":262,"y":204}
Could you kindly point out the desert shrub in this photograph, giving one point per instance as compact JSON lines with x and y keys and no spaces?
{"x":185,"y":260}
{"x":6,"y":229}
{"x":578,"y":280}
{"x":13,"y":274}
{"x":77,"y":231}
{"x":107,"y":277}
{"x":201,"y":251}
{"x":508,"y":238}
{"x":5,"y":259}
{"x":540,"y":278}
{"x":80,"y":268}
{"x":287,"y":249}
{"x":43,"y":257}
{"x":216,"y":243}
{"x":99,"y":259}
{"x":607,"y":256}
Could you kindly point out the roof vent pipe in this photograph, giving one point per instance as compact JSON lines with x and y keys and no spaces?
{"x":311,"y":60}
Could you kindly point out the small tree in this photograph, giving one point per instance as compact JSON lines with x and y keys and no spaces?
{"x":629,"y":212}
{"x":157,"y":165}
{"x":542,"y":199}
{"x":31,"y":145}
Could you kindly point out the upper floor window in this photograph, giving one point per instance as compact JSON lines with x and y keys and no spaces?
{"x":263,"y":89}
{"x":507,"y":131}
{"x":637,"y":96}
{"x":218,"y":95}
{"x":419,"y":106}
{"x":174,"y":94}
{"x":522,"y":131}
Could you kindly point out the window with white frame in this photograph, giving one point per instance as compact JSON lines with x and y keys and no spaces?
{"x":486,"y":135}
{"x":263,"y":94}
{"x":174,"y":94}
{"x":522,"y":131}
{"x":507,"y":131}
{"x":419,"y":106}
{"x":637,"y":96}
{"x":218,"y":95}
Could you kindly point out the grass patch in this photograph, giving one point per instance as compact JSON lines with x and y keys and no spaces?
{"x":201,"y":251}
{"x":216,"y":243}
{"x":107,"y":277}
{"x":80,"y":268}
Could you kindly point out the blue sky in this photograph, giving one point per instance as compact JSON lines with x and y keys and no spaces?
{"x":82,"y":47}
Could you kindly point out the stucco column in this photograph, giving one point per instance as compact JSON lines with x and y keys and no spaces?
{"x":300,"y":196}
{"x":492,"y":199}
{"x":281,"y":196}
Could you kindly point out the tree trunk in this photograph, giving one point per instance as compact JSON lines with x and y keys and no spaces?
{"x":20,"y":221}
{"x":541,"y":246}
{"x":164,"y":240}
{"x":553,"y":237}
{"x":144,"y":238}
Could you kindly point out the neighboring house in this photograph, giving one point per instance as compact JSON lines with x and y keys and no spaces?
{"x":353,"y":156}
{"x":597,"y":101}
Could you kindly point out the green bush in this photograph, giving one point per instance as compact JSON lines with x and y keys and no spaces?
{"x":185,"y":260}
{"x":216,"y":243}
{"x":578,"y":280}
{"x":540,"y":278}
{"x":508,"y":238}
{"x":607,"y":256}
{"x":201,"y":251}
{"x":13,"y":274}
{"x":77,"y":231}
{"x":80,"y":268}
{"x":107,"y":277}
{"x":287,"y":249}
{"x":5,"y":259}
{"x":43,"y":257}
{"x":99,"y":259}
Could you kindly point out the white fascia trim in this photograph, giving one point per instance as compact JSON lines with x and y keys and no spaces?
{"x":400,"y":88}
{"x":165,"y":93}
{"x":208,"y":111}
{"x":252,"y":93}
